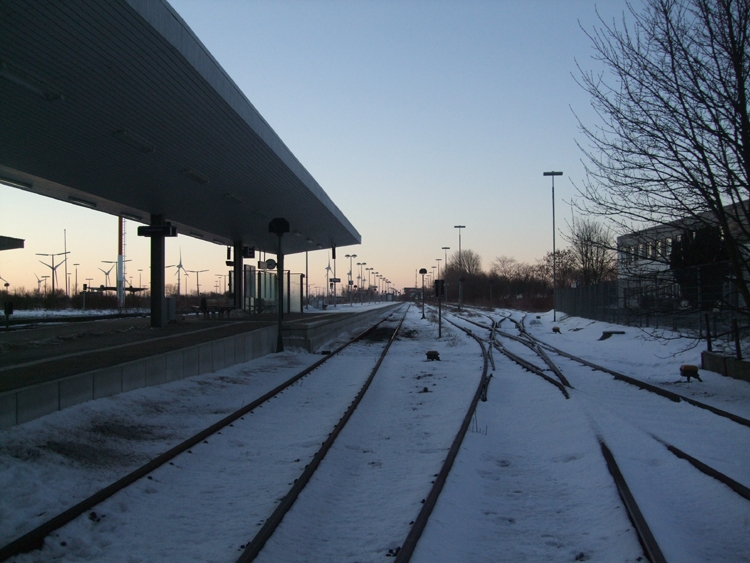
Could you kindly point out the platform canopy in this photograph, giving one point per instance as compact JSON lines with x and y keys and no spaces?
{"x":116,"y":105}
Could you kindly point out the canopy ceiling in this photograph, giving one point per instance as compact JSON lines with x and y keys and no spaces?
{"x":116,"y":105}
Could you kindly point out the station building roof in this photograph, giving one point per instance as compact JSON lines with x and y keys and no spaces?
{"x":116,"y":105}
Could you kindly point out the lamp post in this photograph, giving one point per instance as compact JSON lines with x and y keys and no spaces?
{"x":361,"y":281}
{"x":460,"y":268}
{"x":369,"y":284}
{"x":438,"y":260}
{"x":279,"y":226}
{"x":197,"y":280}
{"x":446,"y":249}
{"x":351,"y":280}
{"x":554,"y":250}
{"x":76,"y":289}
{"x":423,"y":271}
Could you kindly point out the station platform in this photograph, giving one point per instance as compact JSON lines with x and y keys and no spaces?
{"x":53,"y":367}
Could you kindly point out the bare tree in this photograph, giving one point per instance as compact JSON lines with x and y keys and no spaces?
{"x":505,"y":267}
{"x":565,"y":265}
{"x":674,"y":141}
{"x":471,"y":263}
{"x":592,"y":245}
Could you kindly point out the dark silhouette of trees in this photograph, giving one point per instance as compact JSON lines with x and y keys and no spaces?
{"x":674,"y":141}
{"x":592,"y":245}
{"x":699,"y":263}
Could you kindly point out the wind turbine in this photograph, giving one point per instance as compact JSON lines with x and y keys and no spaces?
{"x":106,"y":274}
{"x":179,"y":267}
{"x":38,"y":284}
{"x":328,"y":272}
{"x":119,"y":280}
{"x":53,"y":267}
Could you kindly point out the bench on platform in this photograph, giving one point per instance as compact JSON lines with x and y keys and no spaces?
{"x":212,"y":307}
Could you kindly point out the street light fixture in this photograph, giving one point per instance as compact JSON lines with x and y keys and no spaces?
{"x":460,"y":268}
{"x":423,"y":271}
{"x":351,"y":281}
{"x":554,"y":250}
{"x":76,"y":289}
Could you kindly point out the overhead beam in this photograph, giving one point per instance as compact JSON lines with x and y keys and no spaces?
{"x":10,"y":243}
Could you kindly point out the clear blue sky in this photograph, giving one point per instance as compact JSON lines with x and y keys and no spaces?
{"x":414,"y":116}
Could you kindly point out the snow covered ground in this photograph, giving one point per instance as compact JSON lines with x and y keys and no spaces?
{"x":529,"y":484}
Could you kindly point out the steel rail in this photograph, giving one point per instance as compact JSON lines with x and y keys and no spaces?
{"x":410,"y":543}
{"x":532,"y":368}
{"x":255,"y":546}
{"x":645,"y":535}
{"x":737,"y":487}
{"x":671,"y":395}
{"x":525,"y":363}
{"x":653,"y":552}
{"x":34,"y":539}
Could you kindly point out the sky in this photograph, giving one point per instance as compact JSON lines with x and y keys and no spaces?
{"x":414,"y":117}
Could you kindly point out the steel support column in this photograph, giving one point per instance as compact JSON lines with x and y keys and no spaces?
{"x":158,"y":303}
{"x":239,"y":277}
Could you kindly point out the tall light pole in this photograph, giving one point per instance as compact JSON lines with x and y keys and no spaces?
{"x":460,"y":267}
{"x":446,"y":249}
{"x":554,"y":250}
{"x":197,"y":279}
{"x":76,"y":289}
{"x":438,"y":260}
{"x":361,"y":281}
{"x":351,"y":280}
{"x":423,"y":271}
{"x":368,"y":270}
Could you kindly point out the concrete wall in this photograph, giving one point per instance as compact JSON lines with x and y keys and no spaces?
{"x":726,"y":365}
{"x":312,"y":336}
{"x":23,"y":405}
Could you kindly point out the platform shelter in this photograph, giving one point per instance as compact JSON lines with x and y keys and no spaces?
{"x":116,"y":105}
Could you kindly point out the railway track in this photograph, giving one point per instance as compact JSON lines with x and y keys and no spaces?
{"x":175,"y":471}
{"x":645,"y":424}
{"x":35,"y":538}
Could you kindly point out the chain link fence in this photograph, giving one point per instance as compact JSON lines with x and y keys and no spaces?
{"x":695,"y":309}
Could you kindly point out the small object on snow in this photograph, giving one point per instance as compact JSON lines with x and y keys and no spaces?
{"x":326,"y":353}
{"x":425,"y":390}
{"x":433,"y":355}
{"x":689,"y":371}
{"x":607,"y":333}
{"x":555,"y":330}
{"x":538,"y":317}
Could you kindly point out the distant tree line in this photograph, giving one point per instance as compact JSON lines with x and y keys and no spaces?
{"x":509,"y":283}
